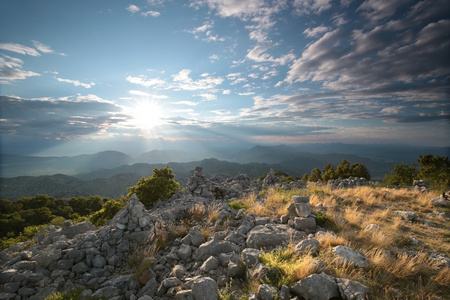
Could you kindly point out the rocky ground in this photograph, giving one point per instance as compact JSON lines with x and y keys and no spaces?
{"x":192,"y":246}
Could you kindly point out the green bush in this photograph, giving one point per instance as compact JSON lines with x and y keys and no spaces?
{"x":109,"y":210}
{"x":401,"y":175}
{"x":237,"y":205}
{"x":158,"y":187}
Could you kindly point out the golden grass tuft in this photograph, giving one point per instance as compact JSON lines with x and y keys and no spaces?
{"x":197,"y":212}
{"x":330,"y":240}
{"x":405,"y":265}
{"x":213,"y":213}
{"x":354,"y":216}
{"x":377,"y":238}
{"x":443,"y":277}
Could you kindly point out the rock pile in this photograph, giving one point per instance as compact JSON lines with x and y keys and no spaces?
{"x":193,"y":266}
{"x":349,"y":183}
{"x":421,"y":185}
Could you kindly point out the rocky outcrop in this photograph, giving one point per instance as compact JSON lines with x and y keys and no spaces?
{"x":192,"y":266}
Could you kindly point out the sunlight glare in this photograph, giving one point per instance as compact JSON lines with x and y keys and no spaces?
{"x":146,"y":114}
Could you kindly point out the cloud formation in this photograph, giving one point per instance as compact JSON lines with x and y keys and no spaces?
{"x":11,"y":70}
{"x":76,"y":82}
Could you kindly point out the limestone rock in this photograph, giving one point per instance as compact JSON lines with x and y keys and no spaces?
{"x":317,"y":286}
{"x":351,"y":256}
{"x":440,"y":202}
{"x":214,"y":248}
{"x":407,"y":215}
{"x":266,"y":292}
{"x":307,"y":246}
{"x":251,"y":256}
{"x":205,"y":288}
{"x":262,"y":236}
{"x":210,"y":264}
{"x":305,"y":224}
{"x":352,"y":290}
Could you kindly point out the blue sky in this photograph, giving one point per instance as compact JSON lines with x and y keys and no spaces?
{"x":84,"y":76}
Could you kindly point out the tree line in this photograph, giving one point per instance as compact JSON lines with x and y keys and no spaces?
{"x":343,"y":170}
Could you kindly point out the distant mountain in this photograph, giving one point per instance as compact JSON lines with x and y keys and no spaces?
{"x":164,"y":156}
{"x":113,"y":183}
{"x":17,"y":165}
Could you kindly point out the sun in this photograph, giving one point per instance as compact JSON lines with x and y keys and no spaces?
{"x":146,"y":114}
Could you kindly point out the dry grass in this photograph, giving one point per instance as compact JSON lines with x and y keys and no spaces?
{"x":259,"y":209}
{"x":213,"y":213}
{"x":197,"y":212}
{"x":353,"y":216}
{"x":331,"y":240}
{"x":142,"y":257}
{"x":443,"y":277}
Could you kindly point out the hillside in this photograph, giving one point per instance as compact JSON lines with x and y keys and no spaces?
{"x":113,"y":183}
{"x":18,"y":165}
{"x":241,"y":239}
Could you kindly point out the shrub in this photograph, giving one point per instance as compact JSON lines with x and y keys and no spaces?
{"x":109,"y":210}
{"x":160,"y":186}
{"x":402,"y":175}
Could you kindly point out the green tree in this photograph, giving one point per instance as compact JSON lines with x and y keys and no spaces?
{"x":360,"y":170}
{"x":109,"y":210}
{"x":343,"y":170}
{"x":402,"y":175}
{"x":316,"y":175}
{"x":436,"y":170}
{"x":305,"y":177}
{"x":329,"y":173}
{"x":160,"y":186}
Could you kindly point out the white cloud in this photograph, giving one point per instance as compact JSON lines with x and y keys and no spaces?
{"x":213,"y":58}
{"x":246,"y":94}
{"x":376,"y":10}
{"x":206,"y":26}
{"x":315,"y":31}
{"x":18,"y":48}
{"x":190,"y":103}
{"x":221,"y":112}
{"x":11,"y":70}
{"x":133,"y":8}
{"x":184,"y":82}
{"x":259,"y":54}
{"x":76,"y":82}
{"x":45,"y":48}
{"x":142,"y":80}
{"x":311,"y":6}
{"x":226,"y":92}
{"x":232,"y":8}
{"x":393,"y":110}
{"x":208,"y":97}
{"x":151,"y":13}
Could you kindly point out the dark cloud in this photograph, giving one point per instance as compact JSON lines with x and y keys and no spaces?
{"x":56,"y":119}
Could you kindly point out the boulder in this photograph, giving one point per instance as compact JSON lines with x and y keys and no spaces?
{"x":307,"y":246}
{"x":317,"y":286}
{"x":406,"y":215}
{"x":439,"y":202}
{"x":266,"y":292}
{"x":214,"y":248}
{"x":205,"y":288}
{"x":210,"y":264}
{"x":251,"y":256}
{"x":263,"y":236}
{"x":305,"y":224}
{"x":184,"y":252}
{"x":350,"y":256}
{"x":352,"y":290}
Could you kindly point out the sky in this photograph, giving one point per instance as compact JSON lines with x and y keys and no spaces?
{"x":86,"y":76}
